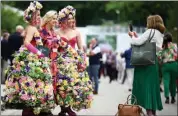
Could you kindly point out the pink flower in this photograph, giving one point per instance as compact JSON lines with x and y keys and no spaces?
{"x":89,"y":97}
{"x":10,"y":83}
{"x":41,"y":90}
{"x":20,"y":80}
{"x":24,"y":97}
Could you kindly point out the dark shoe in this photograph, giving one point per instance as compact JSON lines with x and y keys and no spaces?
{"x":173,"y":100}
{"x":149,"y":113}
{"x":62,"y":114}
{"x":28,"y":112}
{"x":95,"y":93}
{"x":154,"y":112}
{"x":167,"y":100}
{"x":45,"y":114}
{"x":3,"y":107}
{"x":63,"y":111}
{"x":70,"y":112}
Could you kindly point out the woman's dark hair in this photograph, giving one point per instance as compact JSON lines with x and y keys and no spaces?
{"x":167,"y":38}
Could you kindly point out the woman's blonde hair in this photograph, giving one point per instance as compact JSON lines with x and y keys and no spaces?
{"x":48,"y":17}
{"x":155,"y":22}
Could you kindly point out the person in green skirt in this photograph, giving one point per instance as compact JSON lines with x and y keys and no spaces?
{"x":146,"y":85}
{"x":168,"y":57}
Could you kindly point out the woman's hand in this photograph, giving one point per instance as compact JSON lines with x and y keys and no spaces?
{"x":131,"y":34}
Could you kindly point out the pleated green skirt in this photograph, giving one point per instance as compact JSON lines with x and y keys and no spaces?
{"x":146,"y":87}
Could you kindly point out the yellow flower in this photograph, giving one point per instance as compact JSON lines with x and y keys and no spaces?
{"x":46,"y":89}
{"x":10,"y":100}
{"x":65,"y":82}
{"x":67,"y":11}
{"x":22,"y":62}
{"x":72,"y":83}
{"x":61,"y":88}
{"x":37,"y":34}
{"x":38,"y":5}
{"x":61,"y":15}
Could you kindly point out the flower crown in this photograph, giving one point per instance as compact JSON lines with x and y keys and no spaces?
{"x":72,"y":11}
{"x":34,"y":6}
{"x":67,"y":12}
{"x":63,"y":14}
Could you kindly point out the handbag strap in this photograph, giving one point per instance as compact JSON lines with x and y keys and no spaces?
{"x":134,"y":103}
{"x":151,"y":37}
{"x":131,"y":95}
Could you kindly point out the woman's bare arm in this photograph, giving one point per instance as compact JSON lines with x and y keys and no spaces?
{"x":29,"y":34}
{"x":79,"y":41}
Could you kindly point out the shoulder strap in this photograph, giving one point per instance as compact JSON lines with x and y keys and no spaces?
{"x":150,"y":38}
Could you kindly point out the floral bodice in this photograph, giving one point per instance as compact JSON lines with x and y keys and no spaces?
{"x":169,"y":54}
{"x":71,"y":42}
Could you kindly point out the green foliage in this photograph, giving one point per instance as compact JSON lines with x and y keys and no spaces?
{"x":10,"y":19}
{"x":99,"y":12}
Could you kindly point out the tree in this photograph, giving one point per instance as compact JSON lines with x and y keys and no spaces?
{"x":10,"y":19}
{"x":88,"y":12}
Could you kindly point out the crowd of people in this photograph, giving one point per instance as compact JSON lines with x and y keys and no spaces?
{"x":46,"y":69}
{"x":145,"y":81}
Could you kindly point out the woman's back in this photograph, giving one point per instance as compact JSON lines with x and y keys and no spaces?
{"x":157,"y":38}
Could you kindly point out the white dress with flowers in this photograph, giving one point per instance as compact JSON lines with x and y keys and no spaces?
{"x":29,"y":81}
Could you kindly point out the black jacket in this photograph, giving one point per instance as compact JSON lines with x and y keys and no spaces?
{"x":15,"y":41}
{"x":4,"y":49}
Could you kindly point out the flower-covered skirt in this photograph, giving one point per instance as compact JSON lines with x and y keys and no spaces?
{"x":29,"y":82}
{"x":73,"y":87}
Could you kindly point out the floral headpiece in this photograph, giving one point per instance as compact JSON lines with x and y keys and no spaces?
{"x":34,"y":6}
{"x":72,"y":11}
{"x":63,"y":14}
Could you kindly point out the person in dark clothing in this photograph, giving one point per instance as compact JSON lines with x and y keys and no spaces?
{"x":114,"y":71}
{"x":4,"y":56}
{"x":94,"y":61}
{"x":101,"y":69}
{"x":108,"y":64}
{"x":15,"y":41}
{"x":129,"y":68}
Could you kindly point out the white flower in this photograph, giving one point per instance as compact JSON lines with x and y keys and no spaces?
{"x":31,"y":7}
{"x":38,"y":63}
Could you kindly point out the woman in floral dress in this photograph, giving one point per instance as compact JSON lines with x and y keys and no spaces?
{"x":74,"y":88}
{"x":29,"y":81}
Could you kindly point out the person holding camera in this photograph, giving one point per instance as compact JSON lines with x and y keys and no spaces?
{"x":146,"y":77}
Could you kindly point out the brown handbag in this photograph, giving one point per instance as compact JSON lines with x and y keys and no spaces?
{"x":128,"y":109}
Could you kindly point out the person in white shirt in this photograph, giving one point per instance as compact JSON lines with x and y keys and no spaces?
{"x":146,"y":78}
{"x":94,"y":63}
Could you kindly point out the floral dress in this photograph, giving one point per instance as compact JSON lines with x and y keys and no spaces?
{"x":72,"y":84}
{"x":29,"y":81}
{"x":74,"y":87}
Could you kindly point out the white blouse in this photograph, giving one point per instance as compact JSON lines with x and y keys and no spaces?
{"x":157,"y":38}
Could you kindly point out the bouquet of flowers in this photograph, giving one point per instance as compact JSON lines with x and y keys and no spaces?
{"x":74,"y":88}
{"x":29,"y":82}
